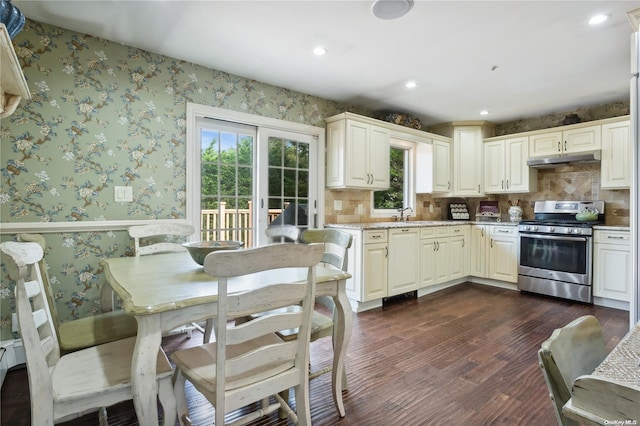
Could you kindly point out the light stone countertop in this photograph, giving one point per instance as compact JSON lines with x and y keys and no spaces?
{"x":413,"y":224}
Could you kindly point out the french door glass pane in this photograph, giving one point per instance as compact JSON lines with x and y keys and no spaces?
{"x":288,"y":182}
{"x":227,"y":164}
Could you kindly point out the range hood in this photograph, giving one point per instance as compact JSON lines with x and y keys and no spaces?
{"x":590,"y":157}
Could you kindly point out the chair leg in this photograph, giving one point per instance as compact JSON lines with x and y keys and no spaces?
{"x":282,"y":412}
{"x":103,"y":420}
{"x":181,"y":400}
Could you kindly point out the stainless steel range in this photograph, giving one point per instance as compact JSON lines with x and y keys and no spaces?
{"x":556,"y":250}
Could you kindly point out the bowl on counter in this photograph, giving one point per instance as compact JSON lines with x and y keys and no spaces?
{"x":587,"y":215}
{"x":200,"y":249}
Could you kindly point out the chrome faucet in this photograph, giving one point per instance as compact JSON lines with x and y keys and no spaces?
{"x":401,"y":211}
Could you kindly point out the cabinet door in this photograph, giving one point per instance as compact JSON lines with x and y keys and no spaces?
{"x":467,"y":161}
{"x":479,"y":240}
{"x":375,"y":271}
{"x":443,"y":261}
{"x":494,"y":167}
{"x":456,"y":257}
{"x":503,"y":258}
{"x":612,"y":266}
{"x":427,"y":262}
{"x":379,"y":155}
{"x":356,"y":155}
{"x":545,"y":144}
{"x":615,"y":171}
{"x":519,"y":177}
{"x":404,"y":260}
{"x":582,"y":139}
{"x":441,"y":166}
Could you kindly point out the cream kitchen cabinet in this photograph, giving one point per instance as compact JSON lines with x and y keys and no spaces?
{"x":571,"y":140}
{"x":612,"y":265}
{"x":503,"y":253}
{"x":505,"y":166}
{"x":615,"y":167}
{"x":404,"y":260}
{"x":375,"y":265}
{"x":467,"y":161}
{"x":494,"y":252}
{"x":13,"y":86}
{"x":479,"y":238}
{"x":433,"y":167}
{"x":444,"y":254}
{"x":357,"y":153}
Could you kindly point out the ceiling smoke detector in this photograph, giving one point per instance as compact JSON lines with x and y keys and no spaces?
{"x":391,"y":9}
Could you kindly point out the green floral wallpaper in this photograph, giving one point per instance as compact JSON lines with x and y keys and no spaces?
{"x":104,"y":115}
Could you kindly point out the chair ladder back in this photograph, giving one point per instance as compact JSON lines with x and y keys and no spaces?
{"x":571,"y":351}
{"x":139,"y":232}
{"x":264,"y":362}
{"x":336,"y":242}
{"x":34,"y":318}
{"x":282,"y":233}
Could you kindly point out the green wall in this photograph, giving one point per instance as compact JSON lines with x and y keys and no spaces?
{"x":104,"y":115}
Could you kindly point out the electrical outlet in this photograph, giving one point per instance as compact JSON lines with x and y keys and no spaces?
{"x":360,"y":209}
{"x":431,"y":208}
{"x":337,"y":205}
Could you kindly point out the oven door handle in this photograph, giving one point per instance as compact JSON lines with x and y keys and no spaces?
{"x":555,"y":237}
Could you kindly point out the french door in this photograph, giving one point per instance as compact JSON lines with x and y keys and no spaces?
{"x":246,"y":177}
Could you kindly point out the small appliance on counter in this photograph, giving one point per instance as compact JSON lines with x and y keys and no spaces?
{"x":488,"y":211}
{"x":458,"y":211}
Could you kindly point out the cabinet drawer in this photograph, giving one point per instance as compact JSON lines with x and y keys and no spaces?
{"x":612,"y":237}
{"x":375,"y":236}
{"x":506,"y":231}
{"x":434,"y":231}
{"x":454,"y":231}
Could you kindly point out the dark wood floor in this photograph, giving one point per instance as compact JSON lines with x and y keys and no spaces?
{"x":462,"y":356}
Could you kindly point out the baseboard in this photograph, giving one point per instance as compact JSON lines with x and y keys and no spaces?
{"x":11,"y":354}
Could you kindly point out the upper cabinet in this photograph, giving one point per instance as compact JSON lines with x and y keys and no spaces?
{"x":357,"y":153}
{"x":568,"y":141}
{"x":505,"y":166}
{"x":433,"y":167}
{"x":615,"y":171}
{"x":466,"y":163}
{"x":13,"y":86}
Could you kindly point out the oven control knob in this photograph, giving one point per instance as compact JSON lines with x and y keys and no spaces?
{"x":552,"y":229}
{"x":577,"y":231}
{"x":534,"y":228}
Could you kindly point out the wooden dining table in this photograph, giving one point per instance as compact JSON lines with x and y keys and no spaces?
{"x":165,"y":291}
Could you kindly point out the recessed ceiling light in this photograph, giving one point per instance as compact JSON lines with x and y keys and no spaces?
{"x":410,"y":84}
{"x":391,"y":9}
{"x":484,"y":112}
{"x":319,"y":51}
{"x":598,"y":19}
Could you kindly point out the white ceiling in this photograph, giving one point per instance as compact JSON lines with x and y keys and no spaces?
{"x":548,"y":58}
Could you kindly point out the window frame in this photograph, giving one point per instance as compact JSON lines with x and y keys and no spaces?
{"x":409,"y":193}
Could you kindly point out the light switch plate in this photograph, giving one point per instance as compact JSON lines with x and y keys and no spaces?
{"x":123,"y":194}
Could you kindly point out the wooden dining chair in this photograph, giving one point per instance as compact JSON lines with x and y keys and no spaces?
{"x":571,"y":351}
{"x":249,"y":362}
{"x":155,"y":238}
{"x":69,"y":386}
{"x":282,"y":233}
{"x":87,"y":331}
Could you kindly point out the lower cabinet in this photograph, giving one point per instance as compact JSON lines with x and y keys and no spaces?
{"x":444,"y":254}
{"x":374,"y":265}
{"x":612,"y":265}
{"x":503,"y":253}
{"x":494,"y":252}
{"x":404,"y":260}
